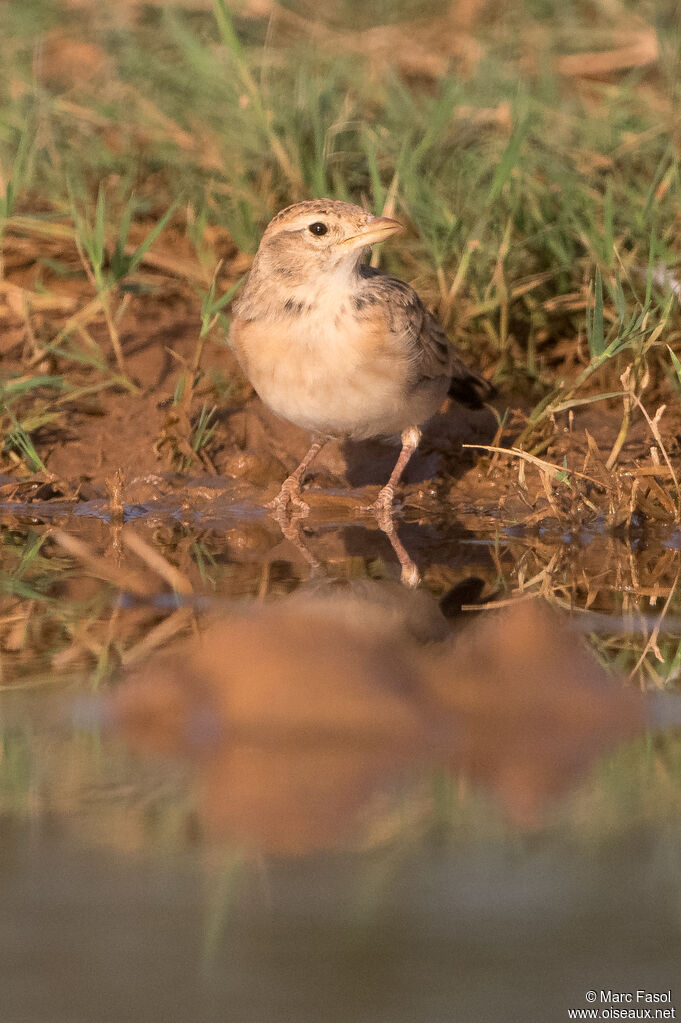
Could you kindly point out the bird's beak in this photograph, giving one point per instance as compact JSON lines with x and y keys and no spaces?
{"x":377,"y":229}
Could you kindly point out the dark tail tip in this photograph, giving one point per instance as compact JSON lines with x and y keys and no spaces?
{"x":471,"y":390}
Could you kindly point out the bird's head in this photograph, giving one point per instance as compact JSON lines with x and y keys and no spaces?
{"x":323,"y":235}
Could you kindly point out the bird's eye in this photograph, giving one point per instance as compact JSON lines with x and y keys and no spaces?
{"x":318,"y":228}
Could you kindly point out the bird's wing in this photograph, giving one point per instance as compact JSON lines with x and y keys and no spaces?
{"x":432,"y":356}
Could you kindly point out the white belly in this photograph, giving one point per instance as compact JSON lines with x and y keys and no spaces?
{"x":332,"y":372}
{"x":331,"y":381}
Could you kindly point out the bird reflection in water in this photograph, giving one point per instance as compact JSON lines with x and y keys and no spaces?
{"x":299,"y":715}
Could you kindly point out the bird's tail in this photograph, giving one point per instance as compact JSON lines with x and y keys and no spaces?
{"x":469,"y":388}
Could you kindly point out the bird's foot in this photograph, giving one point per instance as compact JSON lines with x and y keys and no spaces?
{"x":384,"y":509}
{"x":288,"y":499}
{"x":410,"y":575}
{"x":290,"y":524}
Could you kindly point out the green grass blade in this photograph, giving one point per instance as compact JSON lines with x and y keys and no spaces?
{"x":142,"y":249}
{"x":99,"y":237}
{"x":596,"y":335}
{"x":676,"y":363}
{"x":509,"y":160}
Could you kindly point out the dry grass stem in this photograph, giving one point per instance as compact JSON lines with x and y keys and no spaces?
{"x":154,"y":560}
{"x":125,"y":579}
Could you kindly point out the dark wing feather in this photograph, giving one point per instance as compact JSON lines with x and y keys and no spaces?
{"x":432,"y":354}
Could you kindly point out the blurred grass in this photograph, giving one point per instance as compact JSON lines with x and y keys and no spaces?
{"x":533,"y":148}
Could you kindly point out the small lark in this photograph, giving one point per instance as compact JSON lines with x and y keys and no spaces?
{"x":338,"y":347}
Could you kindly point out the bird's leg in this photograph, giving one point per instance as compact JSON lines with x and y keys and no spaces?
{"x":383,"y":503}
{"x":410,"y":574}
{"x":383,"y":507}
{"x":290,"y":488}
{"x":292,"y":530}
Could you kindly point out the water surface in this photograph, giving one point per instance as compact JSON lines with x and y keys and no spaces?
{"x":156,"y":877}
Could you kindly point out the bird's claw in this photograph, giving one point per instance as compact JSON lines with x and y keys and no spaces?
{"x":385,"y":498}
{"x":384,"y":509}
{"x":289,"y":495}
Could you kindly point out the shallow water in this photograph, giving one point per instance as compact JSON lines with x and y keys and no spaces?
{"x":383,"y":873}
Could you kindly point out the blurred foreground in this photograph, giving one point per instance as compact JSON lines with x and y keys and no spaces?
{"x":340,"y":798}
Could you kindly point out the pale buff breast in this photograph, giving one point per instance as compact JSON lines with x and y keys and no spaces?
{"x":346,"y":375}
